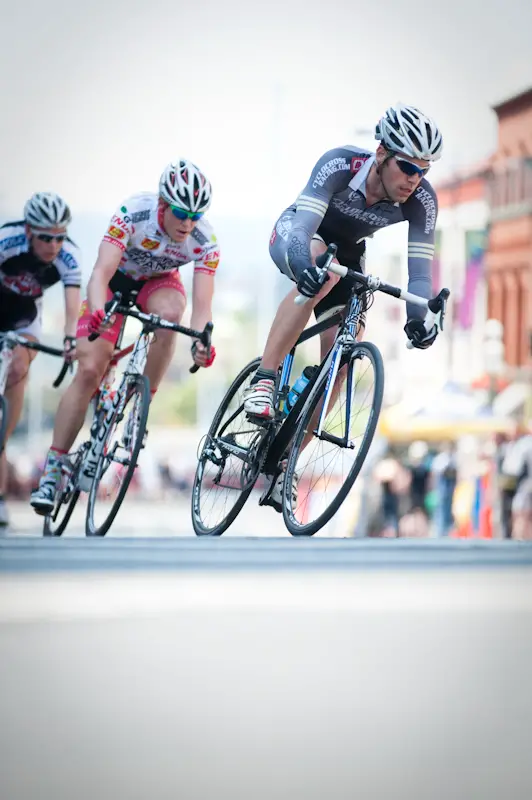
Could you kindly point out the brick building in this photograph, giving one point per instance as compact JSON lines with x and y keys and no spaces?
{"x":509,"y":254}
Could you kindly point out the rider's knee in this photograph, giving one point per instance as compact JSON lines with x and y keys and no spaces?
{"x":89,"y":372}
{"x":173,"y":313}
{"x":18,"y":369}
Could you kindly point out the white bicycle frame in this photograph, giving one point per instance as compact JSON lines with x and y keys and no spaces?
{"x":100,"y":426}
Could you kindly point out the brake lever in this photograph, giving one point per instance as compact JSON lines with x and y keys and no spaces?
{"x":322,"y":264}
{"x":436,"y":313}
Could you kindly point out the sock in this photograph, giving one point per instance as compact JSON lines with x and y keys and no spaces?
{"x":56,"y":452}
{"x":52,"y":465}
{"x":262,"y":375}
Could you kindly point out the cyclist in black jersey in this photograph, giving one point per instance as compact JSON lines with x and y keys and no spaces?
{"x":35,"y":254}
{"x":352,"y":193}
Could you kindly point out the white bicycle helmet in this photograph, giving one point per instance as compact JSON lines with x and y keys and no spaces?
{"x":182,"y":184}
{"x":47,"y":210}
{"x":406,"y":129}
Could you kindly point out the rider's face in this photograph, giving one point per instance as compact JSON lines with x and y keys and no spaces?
{"x":46,"y":243}
{"x":400,"y":186}
{"x":177,"y":229}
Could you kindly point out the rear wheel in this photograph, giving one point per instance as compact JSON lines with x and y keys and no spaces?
{"x":67,"y":496}
{"x":324,"y":468}
{"x":229,"y":461}
{"x":118,"y":459}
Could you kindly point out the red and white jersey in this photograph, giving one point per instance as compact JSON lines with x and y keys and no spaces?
{"x":148,"y":251}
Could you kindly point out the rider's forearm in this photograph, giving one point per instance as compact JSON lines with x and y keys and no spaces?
{"x":97,"y":290}
{"x":201,"y":314}
{"x":109,"y":257}
{"x":72,"y":304}
{"x":202,"y":294}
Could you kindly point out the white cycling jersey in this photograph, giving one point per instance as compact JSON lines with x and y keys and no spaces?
{"x":136,"y":228}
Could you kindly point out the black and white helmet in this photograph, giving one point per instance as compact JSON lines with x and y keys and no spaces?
{"x":47,"y":210}
{"x":182,"y":184}
{"x":406,"y":129}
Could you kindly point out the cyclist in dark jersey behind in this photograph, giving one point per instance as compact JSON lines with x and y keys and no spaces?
{"x":351,"y":193}
{"x":35,"y":254}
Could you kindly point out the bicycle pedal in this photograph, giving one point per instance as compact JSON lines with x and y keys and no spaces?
{"x":261,"y":422}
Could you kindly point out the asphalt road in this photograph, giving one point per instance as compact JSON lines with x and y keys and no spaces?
{"x":146,"y":667}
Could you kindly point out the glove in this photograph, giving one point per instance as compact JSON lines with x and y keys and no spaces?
{"x":418,"y":335}
{"x":95,"y":320}
{"x":199,"y":354}
{"x":69,"y":348}
{"x":311,"y":280}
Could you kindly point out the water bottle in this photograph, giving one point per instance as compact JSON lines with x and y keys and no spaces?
{"x":298,"y":387}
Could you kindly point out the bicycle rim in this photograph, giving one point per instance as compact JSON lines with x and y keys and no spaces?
{"x":325,"y":470}
{"x":118,"y":460}
{"x":223,"y":481}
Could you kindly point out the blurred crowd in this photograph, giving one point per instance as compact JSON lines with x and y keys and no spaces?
{"x":416,"y":487}
{"x":419,"y":490}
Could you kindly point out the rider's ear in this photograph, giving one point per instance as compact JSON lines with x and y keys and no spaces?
{"x":381,"y":154}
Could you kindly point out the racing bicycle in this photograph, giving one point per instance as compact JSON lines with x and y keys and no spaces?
{"x":104,"y":464}
{"x":319,"y":441}
{"x":8,"y":342}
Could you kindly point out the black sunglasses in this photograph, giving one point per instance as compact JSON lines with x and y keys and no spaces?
{"x":49,"y":237}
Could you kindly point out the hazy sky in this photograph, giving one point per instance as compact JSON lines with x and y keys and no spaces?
{"x":97,"y":97}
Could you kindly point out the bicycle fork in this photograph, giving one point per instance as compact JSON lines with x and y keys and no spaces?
{"x":343,"y":345}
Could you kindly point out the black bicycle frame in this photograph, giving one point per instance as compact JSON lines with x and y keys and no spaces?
{"x":283,"y":436}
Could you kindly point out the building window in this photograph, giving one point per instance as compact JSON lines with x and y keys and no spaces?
{"x":512,"y":185}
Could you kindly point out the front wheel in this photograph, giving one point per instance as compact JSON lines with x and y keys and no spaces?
{"x":118,"y":458}
{"x":322,"y":467}
{"x":229,"y":461}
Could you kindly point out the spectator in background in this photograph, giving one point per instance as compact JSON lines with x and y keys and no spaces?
{"x":505,"y":486}
{"x":516,"y":470}
{"x":522,"y":500}
{"x":390,"y":474}
{"x":415,"y":522}
{"x":444,"y":471}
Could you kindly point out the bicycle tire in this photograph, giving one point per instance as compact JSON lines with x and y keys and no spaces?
{"x":137,"y":385}
{"x":49,"y":526}
{"x":199,"y":527}
{"x":4,"y":410}
{"x":309,"y":529}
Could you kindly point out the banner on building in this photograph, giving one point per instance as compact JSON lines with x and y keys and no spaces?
{"x":475,"y":249}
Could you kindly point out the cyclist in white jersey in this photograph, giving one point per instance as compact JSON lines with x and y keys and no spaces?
{"x":352,"y":193}
{"x":148,"y":239}
{"x":35,"y":254}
